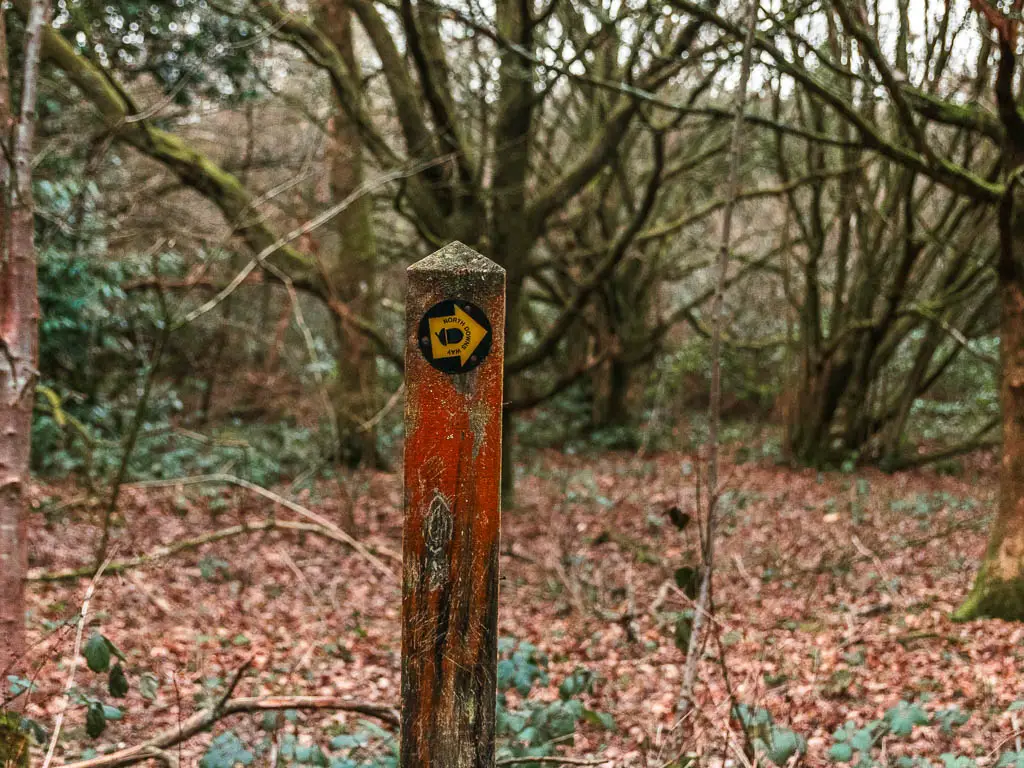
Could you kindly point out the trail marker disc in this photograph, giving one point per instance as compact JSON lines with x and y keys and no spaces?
{"x":455,"y":336}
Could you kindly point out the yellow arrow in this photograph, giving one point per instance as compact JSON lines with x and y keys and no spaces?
{"x":455,"y":335}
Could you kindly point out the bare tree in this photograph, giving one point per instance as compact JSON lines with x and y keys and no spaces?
{"x":912,"y":117}
{"x":696,"y":645}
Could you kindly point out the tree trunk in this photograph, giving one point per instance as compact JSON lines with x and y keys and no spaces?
{"x":813,"y":416}
{"x":19,"y":335}
{"x":13,"y":559}
{"x":351,"y":268}
{"x":19,"y":349}
{"x":611,"y":407}
{"x":999,"y":586}
{"x":512,"y":237}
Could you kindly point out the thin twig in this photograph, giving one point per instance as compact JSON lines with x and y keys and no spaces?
{"x":374,"y":420}
{"x":141,"y":408}
{"x":227,"y":479}
{"x":175,"y":547}
{"x":695,"y":648}
{"x":314,"y":357}
{"x":315,"y":223}
{"x":553,"y":759}
{"x":202,"y":720}
{"x":235,"y":680}
{"x":70,"y":682}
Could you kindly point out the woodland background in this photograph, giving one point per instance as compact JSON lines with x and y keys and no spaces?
{"x":764,"y":430}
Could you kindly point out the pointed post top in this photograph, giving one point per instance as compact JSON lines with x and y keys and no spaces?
{"x":456,"y":258}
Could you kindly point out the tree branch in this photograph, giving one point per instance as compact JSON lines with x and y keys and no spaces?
{"x":946,"y":172}
{"x":195,"y":169}
{"x":226,"y":479}
{"x":185,"y":545}
{"x":546,"y":345}
{"x":206,"y":718}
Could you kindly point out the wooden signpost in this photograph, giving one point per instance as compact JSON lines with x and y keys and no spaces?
{"x":455,"y":329}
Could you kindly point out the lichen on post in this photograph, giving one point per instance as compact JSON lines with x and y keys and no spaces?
{"x":455,"y":320}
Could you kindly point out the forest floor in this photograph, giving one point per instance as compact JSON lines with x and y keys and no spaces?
{"x":833,"y":594}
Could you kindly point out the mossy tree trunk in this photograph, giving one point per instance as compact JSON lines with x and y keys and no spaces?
{"x":351,"y":266}
{"x":999,"y":586}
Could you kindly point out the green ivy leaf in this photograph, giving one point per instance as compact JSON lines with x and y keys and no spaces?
{"x":578,"y":682}
{"x":19,"y":685}
{"x":506,"y":671}
{"x":561,"y":720}
{"x":117,"y":683}
{"x":949,"y":760}
{"x":1011,"y":760}
{"x":37,"y":729}
{"x":679,"y":518}
{"x":783,"y":744}
{"x":951,"y":718}
{"x":599,"y":719}
{"x":863,"y":739}
{"x":841,"y":752}
{"x":510,"y":723}
{"x":95,"y":720}
{"x":527,"y":735}
{"x":688,"y":580}
{"x":903,"y":717}
{"x":758,"y":717}
{"x":226,"y":751}
{"x":350,"y":740}
{"x":97,"y":653}
{"x":114,"y":649}
{"x":310,"y":754}
{"x":148,"y":685}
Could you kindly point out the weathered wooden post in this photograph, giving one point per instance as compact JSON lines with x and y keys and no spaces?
{"x":455,"y":329}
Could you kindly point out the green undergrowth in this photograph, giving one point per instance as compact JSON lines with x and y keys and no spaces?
{"x":528,"y":723}
{"x":887,"y":742}
{"x":878,"y":743}
{"x":261,"y":453}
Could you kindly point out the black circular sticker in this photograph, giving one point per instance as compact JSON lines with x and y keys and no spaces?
{"x":455,"y":336}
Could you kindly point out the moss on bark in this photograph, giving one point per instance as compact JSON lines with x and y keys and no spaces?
{"x":13,"y":742}
{"x":998,"y":591}
{"x":993,"y":600}
{"x":999,"y":588}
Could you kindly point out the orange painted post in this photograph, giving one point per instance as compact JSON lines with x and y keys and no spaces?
{"x":455,"y":329}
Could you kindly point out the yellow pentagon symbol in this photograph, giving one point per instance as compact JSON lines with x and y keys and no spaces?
{"x":456,"y":335}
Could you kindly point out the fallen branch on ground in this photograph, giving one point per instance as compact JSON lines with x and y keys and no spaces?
{"x":976,"y":442}
{"x":203,"y":719}
{"x":174,"y":548}
{"x":70,"y":684}
{"x":551,"y":759}
{"x":226,"y":479}
{"x":846,"y":559}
